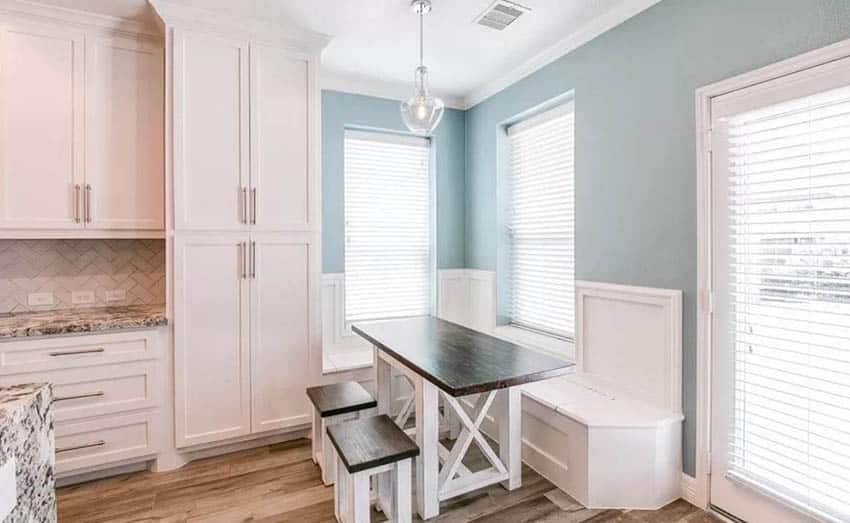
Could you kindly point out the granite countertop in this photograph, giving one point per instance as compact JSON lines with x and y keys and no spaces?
{"x":13,"y":397}
{"x":70,"y":321}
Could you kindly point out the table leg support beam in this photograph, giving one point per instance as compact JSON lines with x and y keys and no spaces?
{"x":509,"y":418}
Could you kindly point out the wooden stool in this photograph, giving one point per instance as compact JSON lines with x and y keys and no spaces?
{"x":333,"y":404}
{"x":365,"y":448}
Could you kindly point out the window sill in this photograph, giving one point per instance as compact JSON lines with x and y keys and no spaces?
{"x":347,"y":360}
{"x":537,"y":341}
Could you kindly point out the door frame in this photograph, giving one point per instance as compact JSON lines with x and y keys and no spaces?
{"x":699,"y":493}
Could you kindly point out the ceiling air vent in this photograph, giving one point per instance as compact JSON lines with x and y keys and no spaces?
{"x":501,"y":14}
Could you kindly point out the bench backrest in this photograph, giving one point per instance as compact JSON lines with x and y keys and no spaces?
{"x":631,"y":337}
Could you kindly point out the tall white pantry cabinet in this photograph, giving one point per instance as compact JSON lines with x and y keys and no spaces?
{"x":242,"y":115}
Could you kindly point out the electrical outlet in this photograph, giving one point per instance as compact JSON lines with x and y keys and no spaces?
{"x":40,"y":298}
{"x":116,"y":295}
{"x":8,"y":489}
{"x":82,"y":297}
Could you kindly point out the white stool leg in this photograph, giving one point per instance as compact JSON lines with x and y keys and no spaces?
{"x":401,"y":492}
{"x":341,"y":489}
{"x":360,"y":497}
{"x":316,"y":440}
{"x":328,"y":454}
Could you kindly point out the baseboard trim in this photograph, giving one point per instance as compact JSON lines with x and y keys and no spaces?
{"x":689,"y":490}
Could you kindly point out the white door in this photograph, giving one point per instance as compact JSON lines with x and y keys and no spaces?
{"x":780,"y":400}
{"x":41,"y":126}
{"x":124,"y":134}
{"x":280,"y":330}
{"x":210,"y":132}
{"x":211,"y":340}
{"x":281,"y":192}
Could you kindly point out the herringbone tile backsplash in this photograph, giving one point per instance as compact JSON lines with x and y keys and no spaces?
{"x":65,"y":266}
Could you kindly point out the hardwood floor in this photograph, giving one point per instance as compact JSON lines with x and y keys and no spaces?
{"x":281,"y":483}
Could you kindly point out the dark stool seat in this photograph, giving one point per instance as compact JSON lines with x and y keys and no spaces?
{"x":367,"y":447}
{"x":340,"y":398}
{"x":333,"y":404}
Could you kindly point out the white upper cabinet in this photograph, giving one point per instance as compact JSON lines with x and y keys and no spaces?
{"x":281,"y":192}
{"x":41,"y":126}
{"x":124,"y":154}
{"x":211,"y":159}
{"x":81,"y":130}
{"x":280,"y":330}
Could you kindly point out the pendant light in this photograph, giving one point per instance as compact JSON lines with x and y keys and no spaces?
{"x":422,"y":112}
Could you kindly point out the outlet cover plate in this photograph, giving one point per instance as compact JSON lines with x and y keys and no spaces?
{"x":8,"y":489}
{"x":40,"y":298}
{"x":82,"y":297}
{"x":116,"y":295}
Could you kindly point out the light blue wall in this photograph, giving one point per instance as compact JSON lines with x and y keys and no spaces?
{"x":635,"y":153}
{"x":344,"y":109}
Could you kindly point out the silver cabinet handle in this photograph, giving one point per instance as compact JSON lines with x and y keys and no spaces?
{"x":254,"y":206}
{"x":99,"y":443}
{"x":88,"y":203}
{"x":73,"y":352}
{"x":76,"y":203}
{"x":254,"y":259}
{"x":244,"y":209}
{"x":96,"y":394}
{"x":243,"y":259}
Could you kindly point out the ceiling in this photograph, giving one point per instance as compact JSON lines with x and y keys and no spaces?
{"x":375,"y":42}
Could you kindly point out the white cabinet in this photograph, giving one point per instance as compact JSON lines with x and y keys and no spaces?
{"x":282,"y":195}
{"x":81,"y":129}
{"x":211,"y":356}
{"x":124,"y":134}
{"x":280,"y":330}
{"x":242,"y":334}
{"x":211,"y":159}
{"x":41,"y":126}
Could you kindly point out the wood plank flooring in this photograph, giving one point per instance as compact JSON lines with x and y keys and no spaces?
{"x":281,"y":483}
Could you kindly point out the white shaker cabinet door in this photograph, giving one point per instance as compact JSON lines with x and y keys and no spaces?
{"x":281,"y":186}
{"x":211,"y":157}
{"x":280,"y":330}
{"x":41,"y":126}
{"x":124,"y":146}
{"x":211,"y":352}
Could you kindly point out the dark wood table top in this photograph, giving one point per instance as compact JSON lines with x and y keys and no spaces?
{"x":458,"y":360}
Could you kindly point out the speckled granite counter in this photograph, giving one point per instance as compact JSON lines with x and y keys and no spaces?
{"x":26,"y":435}
{"x":81,"y":320}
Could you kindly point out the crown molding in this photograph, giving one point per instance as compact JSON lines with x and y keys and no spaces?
{"x":83,"y":19}
{"x":593,"y":28}
{"x":291,"y":37}
{"x":347,"y":83}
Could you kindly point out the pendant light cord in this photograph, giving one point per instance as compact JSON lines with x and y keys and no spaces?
{"x":421,"y":36}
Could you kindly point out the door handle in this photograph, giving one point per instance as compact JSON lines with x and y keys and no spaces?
{"x":243,"y":262}
{"x":75,"y":352}
{"x":96,"y":394}
{"x":253,"y":259}
{"x":244,"y":206}
{"x":76,"y":203}
{"x":81,"y":447}
{"x":254,"y":206}
{"x":88,"y":203}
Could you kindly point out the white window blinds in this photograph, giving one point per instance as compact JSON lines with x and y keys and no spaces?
{"x":387,"y":226}
{"x":542,"y":222}
{"x":789,"y":238}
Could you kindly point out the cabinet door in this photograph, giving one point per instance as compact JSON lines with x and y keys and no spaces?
{"x":124,"y":134}
{"x":41,"y":126}
{"x":210,"y":132}
{"x":281,"y":331}
{"x":211,"y":352}
{"x":282,"y":192}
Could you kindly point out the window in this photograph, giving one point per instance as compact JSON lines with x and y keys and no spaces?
{"x":788,"y":205}
{"x":387,"y":226}
{"x":541,"y":222}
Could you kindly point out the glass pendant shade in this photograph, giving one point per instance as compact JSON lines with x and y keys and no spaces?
{"x":422,"y":112}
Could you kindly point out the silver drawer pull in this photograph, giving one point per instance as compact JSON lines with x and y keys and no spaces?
{"x":81,"y":447}
{"x":96,"y":394}
{"x":81,"y":351}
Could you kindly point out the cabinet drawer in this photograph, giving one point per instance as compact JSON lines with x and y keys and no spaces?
{"x":95,"y":391}
{"x":106,"y":440}
{"x":75,"y":351}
